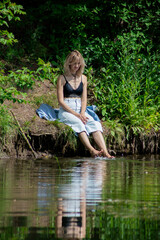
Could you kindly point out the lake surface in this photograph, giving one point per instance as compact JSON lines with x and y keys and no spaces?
{"x":80,"y":198}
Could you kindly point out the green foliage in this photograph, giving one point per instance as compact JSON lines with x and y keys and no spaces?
{"x":8,"y":11}
{"x":116,"y":129}
{"x":5,"y":123}
{"x":10,"y":94}
{"x":126,"y":88}
{"x":118,"y":39}
{"x":46,"y":71}
{"x":23,"y":78}
{"x":14,"y":55}
{"x":8,"y":91}
{"x":13,"y":84}
{"x":50,"y":30}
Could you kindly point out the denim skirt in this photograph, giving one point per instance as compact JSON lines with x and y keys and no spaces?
{"x":74,"y":122}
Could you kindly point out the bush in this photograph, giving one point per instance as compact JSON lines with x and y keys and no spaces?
{"x":46,"y":71}
{"x":23,"y":78}
{"x":8,"y":11}
{"x":126,"y":88}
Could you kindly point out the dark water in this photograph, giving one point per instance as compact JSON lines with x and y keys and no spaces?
{"x":80,"y":199}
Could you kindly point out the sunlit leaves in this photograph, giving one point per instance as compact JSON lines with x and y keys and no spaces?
{"x":8,"y":12}
{"x":11,"y":94}
{"x":127,"y":88}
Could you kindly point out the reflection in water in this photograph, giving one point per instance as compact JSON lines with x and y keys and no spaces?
{"x":85,"y":186}
{"x":85,"y":199}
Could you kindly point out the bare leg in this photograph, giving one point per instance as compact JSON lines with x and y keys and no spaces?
{"x":84,"y":139}
{"x":99,"y":139}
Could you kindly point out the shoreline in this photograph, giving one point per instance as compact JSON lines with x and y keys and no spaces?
{"x":52,"y":138}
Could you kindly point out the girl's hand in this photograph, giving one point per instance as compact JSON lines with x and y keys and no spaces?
{"x":83,"y":118}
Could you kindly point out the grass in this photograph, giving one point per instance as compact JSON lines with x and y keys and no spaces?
{"x":7,"y":126}
{"x":49,"y":99}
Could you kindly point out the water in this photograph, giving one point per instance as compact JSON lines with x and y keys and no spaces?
{"x":80,"y":199}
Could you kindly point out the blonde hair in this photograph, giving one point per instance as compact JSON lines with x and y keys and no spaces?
{"x":70,"y":59}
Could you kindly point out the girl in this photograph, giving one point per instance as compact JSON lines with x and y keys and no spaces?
{"x":72,"y":98}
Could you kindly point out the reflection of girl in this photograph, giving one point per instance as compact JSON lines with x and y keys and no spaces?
{"x":72,"y":97}
{"x":82,"y":192}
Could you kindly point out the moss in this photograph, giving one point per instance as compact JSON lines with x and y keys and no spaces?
{"x":65,"y":136}
{"x":57,"y":124}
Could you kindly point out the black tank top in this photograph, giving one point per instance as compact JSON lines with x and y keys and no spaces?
{"x":69,"y":92}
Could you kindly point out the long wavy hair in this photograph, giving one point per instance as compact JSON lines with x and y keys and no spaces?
{"x":70,"y":59}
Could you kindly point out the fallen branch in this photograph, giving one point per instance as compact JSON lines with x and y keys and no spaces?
{"x":24,"y":136}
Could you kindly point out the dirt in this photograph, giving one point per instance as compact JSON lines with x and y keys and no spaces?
{"x":30,"y":122}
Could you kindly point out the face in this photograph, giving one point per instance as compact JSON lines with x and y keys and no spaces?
{"x":75,"y":66}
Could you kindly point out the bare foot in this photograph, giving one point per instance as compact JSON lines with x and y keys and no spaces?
{"x":96,"y":153}
{"x":107,"y":155}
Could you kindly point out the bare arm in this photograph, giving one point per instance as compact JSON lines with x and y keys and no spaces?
{"x":84,"y":101}
{"x":84,"y":95}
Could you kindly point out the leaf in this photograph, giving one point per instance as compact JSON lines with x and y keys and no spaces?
{"x":103,"y":111}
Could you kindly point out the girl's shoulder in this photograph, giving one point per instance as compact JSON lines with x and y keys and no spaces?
{"x":61,"y":76}
{"x":84,"y":78}
{"x":61,"y":79}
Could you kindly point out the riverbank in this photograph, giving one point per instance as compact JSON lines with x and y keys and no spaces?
{"x":49,"y":139}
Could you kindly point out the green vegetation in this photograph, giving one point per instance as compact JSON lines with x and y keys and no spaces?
{"x":6,"y":124}
{"x":127,"y":89}
{"x":118,"y":39}
{"x":66,"y":137}
{"x":8,"y":12}
{"x":45,"y":98}
{"x":13,"y":83}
